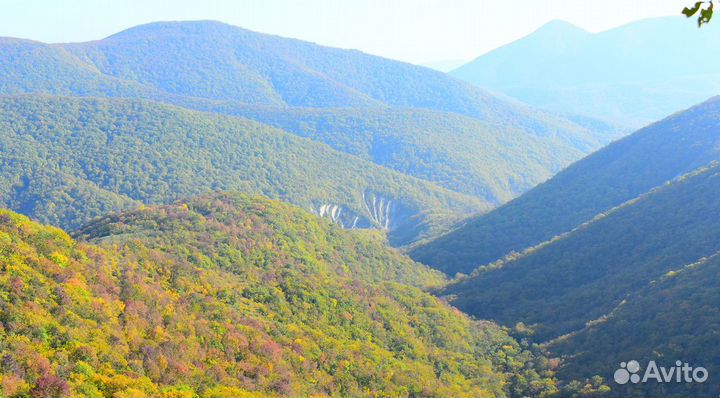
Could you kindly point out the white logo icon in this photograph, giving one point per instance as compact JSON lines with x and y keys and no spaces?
{"x":623,"y":375}
{"x":680,"y":373}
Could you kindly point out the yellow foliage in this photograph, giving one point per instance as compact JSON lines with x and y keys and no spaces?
{"x":129,"y":393}
{"x":60,"y":259}
{"x":177,"y":392}
{"x":225,"y":391}
{"x":13,"y":386}
{"x":169,"y":316}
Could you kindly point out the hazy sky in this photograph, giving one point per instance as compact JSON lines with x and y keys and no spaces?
{"x":418,"y":31}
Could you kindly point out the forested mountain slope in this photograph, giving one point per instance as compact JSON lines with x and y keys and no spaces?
{"x":32,"y":67}
{"x":215,"y":67}
{"x":580,"y":276}
{"x":66,"y":160}
{"x":674,"y":317}
{"x":494,"y":163}
{"x":229,"y":295}
{"x":212,"y":60}
{"x":638,"y":282}
{"x":607,"y":178}
{"x":634,"y":74}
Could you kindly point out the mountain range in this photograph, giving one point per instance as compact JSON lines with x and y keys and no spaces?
{"x":633,"y":74}
{"x":232,"y":199}
{"x":407,"y":118}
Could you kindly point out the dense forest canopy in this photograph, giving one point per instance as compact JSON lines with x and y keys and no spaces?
{"x":617,"y":173}
{"x":411,"y":119}
{"x":67,"y":160}
{"x":230,"y":295}
{"x":232,"y":198}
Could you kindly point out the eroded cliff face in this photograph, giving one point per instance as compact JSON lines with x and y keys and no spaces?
{"x":342,"y":216}
{"x":380,"y":209}
{"x":377,"y":211}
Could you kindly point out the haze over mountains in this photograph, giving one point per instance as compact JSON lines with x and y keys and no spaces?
{"x":172,"y":286}
{"x":413,"y":120}
{"x":633,"y":74}
{"x":615,"y":174}
{"x":582,"y":275}
{"x":599,"y":263}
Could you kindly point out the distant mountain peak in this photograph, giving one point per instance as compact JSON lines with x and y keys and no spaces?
{"x":197,"y":26}
{"x":632,"y":74}
{"x":559,"y":26}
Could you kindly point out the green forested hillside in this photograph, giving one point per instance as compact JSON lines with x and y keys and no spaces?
{"x":32,"y":67}
{"x":215,"y":61}
{"x":66,"y":160}
{"x":674,"y":317}
{"x":636,"y":282}
{"x":229,"y":295}
{"x":300,"y":74}
{"x":224,"y":62}
{"x":495,"y":163}
{"x":408,"y":118}
{"x":580,"y":276}
{"x":617,"y":173}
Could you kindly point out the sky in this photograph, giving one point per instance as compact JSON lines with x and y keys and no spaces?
{"x":427,"y":32}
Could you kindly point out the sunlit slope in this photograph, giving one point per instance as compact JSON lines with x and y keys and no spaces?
{"x":230,"y":295}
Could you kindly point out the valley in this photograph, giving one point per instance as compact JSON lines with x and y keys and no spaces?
{"x":193,"y":209}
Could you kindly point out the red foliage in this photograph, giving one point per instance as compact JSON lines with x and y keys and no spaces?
{"x":50,"y":386}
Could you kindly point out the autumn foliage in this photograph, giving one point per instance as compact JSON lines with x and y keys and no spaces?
{"x":229,"y":295}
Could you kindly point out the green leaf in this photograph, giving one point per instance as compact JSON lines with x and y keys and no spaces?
{"x":689,"y":12}
{"x":706,"y":15}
